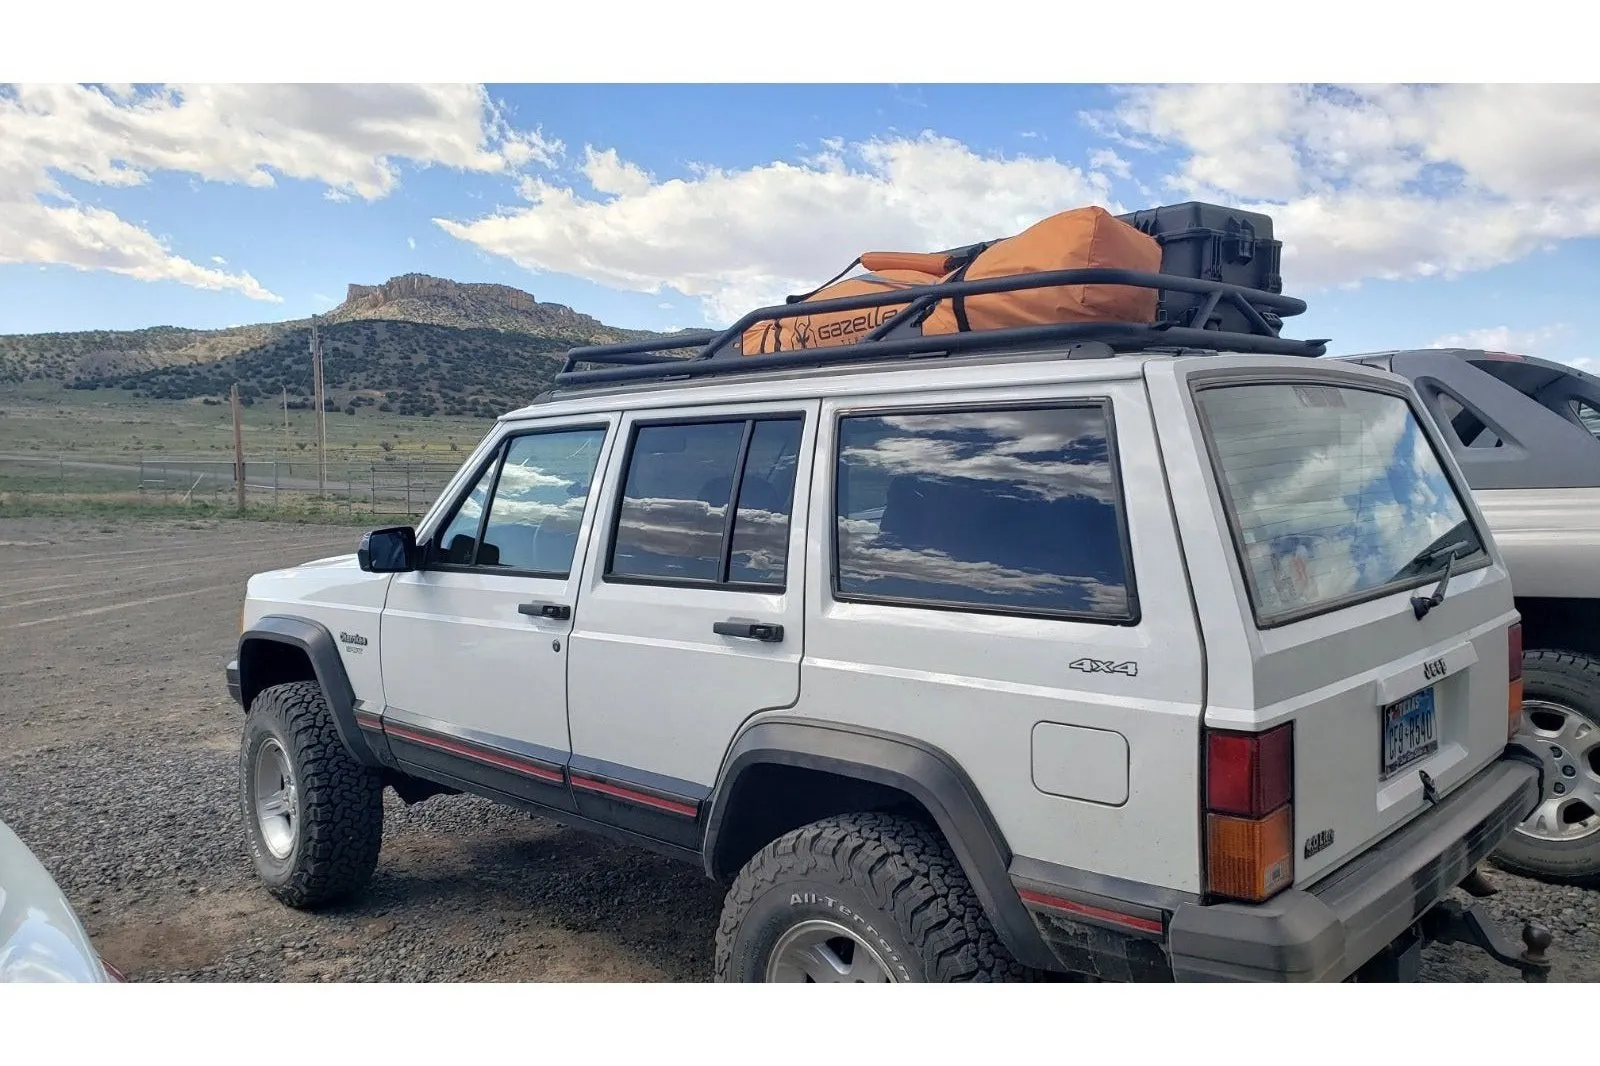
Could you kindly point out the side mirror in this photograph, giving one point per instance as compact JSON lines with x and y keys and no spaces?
{"x":388,"y":551}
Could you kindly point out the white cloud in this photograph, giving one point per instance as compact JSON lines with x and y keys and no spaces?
{"x":1110,"y":162}
{"x":1537,"y":342}
{"x":1382,"y":182}
{"x":217,"y":259}
{"x":1501,"y":339}
{"x":613,"y":176}
{"x":411,"y":242}
{"x":346,"y":137}
{"x":736,"y":239}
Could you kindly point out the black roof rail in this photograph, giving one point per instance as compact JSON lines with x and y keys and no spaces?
{"x":718,"y":352}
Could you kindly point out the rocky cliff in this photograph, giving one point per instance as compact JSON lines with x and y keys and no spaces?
{"x":470,"y":305}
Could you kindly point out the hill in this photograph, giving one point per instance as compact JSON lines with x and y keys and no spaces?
{"x":101,"y":357}
{"x":406,"y":367}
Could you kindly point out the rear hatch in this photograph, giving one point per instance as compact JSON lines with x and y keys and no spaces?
{"x":1330,"y":514}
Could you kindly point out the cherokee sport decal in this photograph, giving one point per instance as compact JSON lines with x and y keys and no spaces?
{"x":1105,"y":666}
{"x":353,"y":642}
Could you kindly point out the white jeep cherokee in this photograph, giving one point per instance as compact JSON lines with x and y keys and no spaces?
{"x":1134,"y":655}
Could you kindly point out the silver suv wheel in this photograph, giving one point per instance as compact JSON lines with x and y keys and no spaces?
{"x":1569,"y":745}
{"x":276,"y":797}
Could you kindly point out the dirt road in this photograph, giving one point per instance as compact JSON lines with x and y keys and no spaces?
{"x":117,"y":766}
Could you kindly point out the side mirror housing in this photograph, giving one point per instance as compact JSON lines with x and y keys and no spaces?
{"x":388,"y":551}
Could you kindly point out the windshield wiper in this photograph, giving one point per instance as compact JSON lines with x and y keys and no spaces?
{"x":1421,"y":605}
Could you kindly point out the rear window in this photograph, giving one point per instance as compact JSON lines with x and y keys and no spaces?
{"x":1334,"y":492}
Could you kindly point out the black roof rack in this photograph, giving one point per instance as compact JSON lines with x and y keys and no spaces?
{"x":718,"y":352}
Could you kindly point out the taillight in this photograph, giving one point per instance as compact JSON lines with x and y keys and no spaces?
{"x":1514,"y":672}
{"x":1249,"y":813}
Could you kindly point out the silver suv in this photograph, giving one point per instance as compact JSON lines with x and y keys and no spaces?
{"x":1137,"y":651}
{"x":1526,"y":434}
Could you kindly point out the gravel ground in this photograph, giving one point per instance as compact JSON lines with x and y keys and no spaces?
{"x":117,"y":766}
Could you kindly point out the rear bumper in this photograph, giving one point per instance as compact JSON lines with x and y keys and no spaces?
{"x":1327,"y":932}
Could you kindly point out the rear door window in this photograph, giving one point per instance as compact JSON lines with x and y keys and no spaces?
{"x":1334,"y":493}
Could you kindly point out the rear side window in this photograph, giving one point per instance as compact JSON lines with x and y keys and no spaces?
{"x":1012,"y":510}
{"x":1334,"y":492}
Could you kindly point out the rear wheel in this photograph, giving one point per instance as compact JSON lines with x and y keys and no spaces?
{"x":1560,"y":841}
{"x":858,"y":899}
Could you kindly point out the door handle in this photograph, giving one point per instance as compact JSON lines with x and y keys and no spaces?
{"x":769,"y":632}
{"x":541,"y":609}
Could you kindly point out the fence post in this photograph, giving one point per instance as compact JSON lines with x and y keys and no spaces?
{"x":61,"y":476}
{"x":408,"y":487}
{"x":372,"y":499}
{"x":274,"y":484}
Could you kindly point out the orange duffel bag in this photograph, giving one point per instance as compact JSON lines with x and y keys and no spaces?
{"x":1083,"y":238}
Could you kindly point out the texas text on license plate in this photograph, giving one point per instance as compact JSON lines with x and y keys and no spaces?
{"x":1410,"y":731}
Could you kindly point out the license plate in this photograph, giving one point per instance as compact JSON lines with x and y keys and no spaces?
{"x":1410,"y":731}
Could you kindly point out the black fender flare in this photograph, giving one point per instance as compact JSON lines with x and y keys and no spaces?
{"x":322,"y":651}
{"x":921,"y":771}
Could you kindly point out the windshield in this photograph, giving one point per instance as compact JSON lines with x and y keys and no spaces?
{"x":1335,"y":493}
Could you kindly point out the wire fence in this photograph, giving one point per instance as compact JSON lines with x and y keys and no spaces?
{"x":398,"y":487}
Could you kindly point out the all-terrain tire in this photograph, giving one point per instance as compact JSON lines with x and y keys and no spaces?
{"x":1573,"y":682}
{"x":891,"y":880}
{"x":337,"y":804}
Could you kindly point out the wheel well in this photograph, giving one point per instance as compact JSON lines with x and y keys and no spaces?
{"x":264,"y":663}
{"x":1567,"y":625}
{"x":770,"y":799}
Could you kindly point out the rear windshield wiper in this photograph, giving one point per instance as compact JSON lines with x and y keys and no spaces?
{"x":1452,"y":549}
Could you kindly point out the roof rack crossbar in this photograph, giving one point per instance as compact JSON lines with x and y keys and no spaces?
{"x":1257,"y":321}
{"x":915,"y":307}
{"x":1127,"y":335}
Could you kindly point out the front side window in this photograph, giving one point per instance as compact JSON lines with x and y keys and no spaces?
{"x":458,"y":543}
{"x":1012,"y":510}
{"x":708,"y":503}
{"x":1335,"y":494}
{"x":537,"y":487}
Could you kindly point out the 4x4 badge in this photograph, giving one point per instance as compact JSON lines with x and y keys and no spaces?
{"x":1105,"y":666}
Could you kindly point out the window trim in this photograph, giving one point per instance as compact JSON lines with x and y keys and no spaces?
{"x":497,"y":456}
{"x":1225,"y":498}
{"x":1133,"y":614}
{"x":607,"y":571}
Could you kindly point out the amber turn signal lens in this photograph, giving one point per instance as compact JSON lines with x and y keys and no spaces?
{"x":1248,"y":859}
{"x":1514,"y":671}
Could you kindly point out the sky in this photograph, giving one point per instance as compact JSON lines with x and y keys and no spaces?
{"x":1411,"y":215}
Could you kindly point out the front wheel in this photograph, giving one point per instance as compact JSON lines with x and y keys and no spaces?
{"x":313,"y":816}
{"x":1560,"y":841}
{"x":858,"y":899}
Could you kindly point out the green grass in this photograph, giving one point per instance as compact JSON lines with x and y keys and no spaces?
{"x":44,"y":505}
{"x":43,"y":419}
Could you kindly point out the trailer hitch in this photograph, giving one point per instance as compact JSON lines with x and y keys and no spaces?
{"x":1451,"y":922}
